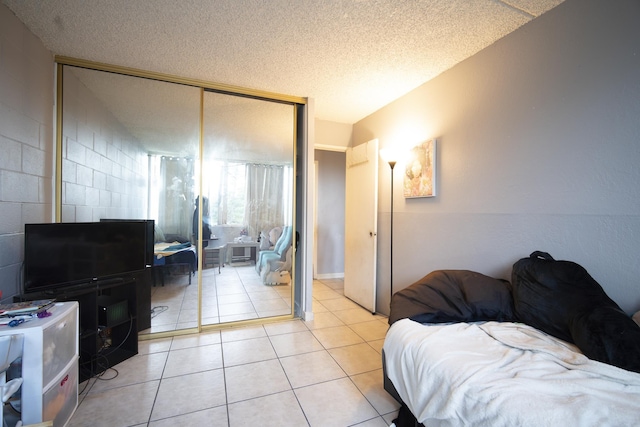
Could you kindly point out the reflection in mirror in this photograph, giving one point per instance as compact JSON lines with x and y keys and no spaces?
{"x":116,"y":131}
{"x":247,"y":180}
{"x":130,"y":150}
{"x":111,"y":124}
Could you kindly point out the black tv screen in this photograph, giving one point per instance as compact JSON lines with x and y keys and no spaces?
{"x":150,"y":234}
{"x":62,"y":254}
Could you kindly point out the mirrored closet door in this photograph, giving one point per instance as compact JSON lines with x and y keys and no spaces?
{"x":247,"y":185}
{"x":213,"y":169}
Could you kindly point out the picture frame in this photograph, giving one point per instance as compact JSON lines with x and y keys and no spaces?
{"x":420,"y":171}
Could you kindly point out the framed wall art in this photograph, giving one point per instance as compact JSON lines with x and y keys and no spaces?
{"x":420,"y":171}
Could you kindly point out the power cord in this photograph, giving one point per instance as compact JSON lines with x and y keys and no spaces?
{"x":102,"y":357}
{"x":123,"y":340}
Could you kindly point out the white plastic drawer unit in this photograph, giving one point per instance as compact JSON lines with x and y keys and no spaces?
{"x":49,"y":365}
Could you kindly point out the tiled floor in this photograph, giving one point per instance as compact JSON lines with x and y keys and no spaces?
{"x":326,"y":372}
{"x":234,"y":293}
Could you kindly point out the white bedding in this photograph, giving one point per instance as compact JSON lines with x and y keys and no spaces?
{"x":504,"y":374}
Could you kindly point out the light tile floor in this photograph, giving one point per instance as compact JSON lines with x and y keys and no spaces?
{"x":325,"y":372}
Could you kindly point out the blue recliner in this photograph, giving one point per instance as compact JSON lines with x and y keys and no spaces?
{"x":279,"y":251}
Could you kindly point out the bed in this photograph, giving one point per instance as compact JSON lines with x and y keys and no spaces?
{"x":171,"y":255}
{"x":458,"y":353}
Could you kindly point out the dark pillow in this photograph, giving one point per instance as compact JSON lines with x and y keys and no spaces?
{"x":453,"y":296}
{"x":563,"y":300}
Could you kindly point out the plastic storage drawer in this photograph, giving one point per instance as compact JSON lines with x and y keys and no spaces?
{"x":58,"y":346}
{"x":60,"y":401}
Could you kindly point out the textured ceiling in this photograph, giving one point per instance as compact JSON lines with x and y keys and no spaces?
{"x":352,"y":56}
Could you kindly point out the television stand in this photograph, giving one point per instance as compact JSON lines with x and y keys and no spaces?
{"x":108,"y":321}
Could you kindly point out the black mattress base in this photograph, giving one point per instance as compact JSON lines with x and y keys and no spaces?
{"x":405,"y":417}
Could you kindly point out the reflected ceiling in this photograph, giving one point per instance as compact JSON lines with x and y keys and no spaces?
{"x":165,"y":117}
{"x":158,"y":114}
{"x":240,"y":128}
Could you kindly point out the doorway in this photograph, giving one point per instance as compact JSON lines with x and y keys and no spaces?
{"x":329,"y":220}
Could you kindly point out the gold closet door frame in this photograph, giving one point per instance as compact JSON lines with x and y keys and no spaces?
{"x":295,"y":101}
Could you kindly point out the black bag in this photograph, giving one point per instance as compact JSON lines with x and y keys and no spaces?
{"x":563,"y":300}
{"x":405,"y":418}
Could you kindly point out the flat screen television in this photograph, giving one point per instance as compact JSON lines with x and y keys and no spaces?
{"x":64,"y":254}
{"x":150,"y":235}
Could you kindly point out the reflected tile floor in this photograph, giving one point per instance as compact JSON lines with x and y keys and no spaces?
{"x":236,"y":293}
{"x":324,"y":372}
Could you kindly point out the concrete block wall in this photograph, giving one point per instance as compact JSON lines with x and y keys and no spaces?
{"x":104,"y":168}
{"x":26,"y":143}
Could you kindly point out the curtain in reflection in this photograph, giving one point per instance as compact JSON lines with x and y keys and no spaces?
{"x":265,"y":207}
{"x":172,"y":195}
{"x":224,"y":185}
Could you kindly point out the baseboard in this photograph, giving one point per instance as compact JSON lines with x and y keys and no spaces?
{"x":307,"y":316}
{"x":328,"y":276}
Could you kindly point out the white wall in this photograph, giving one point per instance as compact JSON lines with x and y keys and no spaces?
{"x":538,"y":150}
{"x":26,"y":143}
{"x":332,"y":134}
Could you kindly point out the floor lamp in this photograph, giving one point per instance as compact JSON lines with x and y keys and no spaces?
{"x":390,"y":156}
{"x":392,"y":164}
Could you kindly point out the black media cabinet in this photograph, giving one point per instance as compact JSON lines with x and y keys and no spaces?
{"x":111,"y":301}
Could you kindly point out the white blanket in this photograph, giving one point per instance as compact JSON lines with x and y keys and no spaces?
{"x":504,"y":374}
{"x":160,"y":249}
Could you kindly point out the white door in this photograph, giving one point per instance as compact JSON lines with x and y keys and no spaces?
{"x":361,"y":224}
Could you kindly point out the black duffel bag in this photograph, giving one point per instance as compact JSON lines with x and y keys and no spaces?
{"x":563,"y":300}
